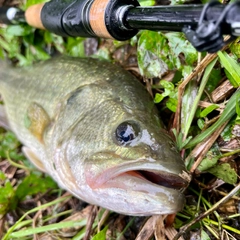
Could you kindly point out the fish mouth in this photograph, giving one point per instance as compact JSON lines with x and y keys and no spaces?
{"x":146,"y":179}
{"x":139,"y":188}
{"x":161,"y":179}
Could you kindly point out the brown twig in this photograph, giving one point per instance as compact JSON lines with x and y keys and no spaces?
{"x":103,"y":219}
{"x":90,"y":221}
{"x":147,"y":231}
{"x":37,"y":215}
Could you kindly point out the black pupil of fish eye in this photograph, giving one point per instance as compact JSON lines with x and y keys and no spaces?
{"x":126,"y":132}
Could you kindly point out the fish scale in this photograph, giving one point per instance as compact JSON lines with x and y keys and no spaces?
{"x":94,"y":128}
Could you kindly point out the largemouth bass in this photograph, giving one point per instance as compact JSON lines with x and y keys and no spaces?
{"x":94,"y":128}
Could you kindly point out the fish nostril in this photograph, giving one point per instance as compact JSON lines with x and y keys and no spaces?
{"x":156,"y":150}
{"x":155,"y":147}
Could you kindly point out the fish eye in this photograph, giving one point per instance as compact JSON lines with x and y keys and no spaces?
{"x":126,"y":132}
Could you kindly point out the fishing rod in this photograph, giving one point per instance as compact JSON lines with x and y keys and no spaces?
{"x":203,"y":25}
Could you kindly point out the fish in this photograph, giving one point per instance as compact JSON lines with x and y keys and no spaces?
{"x":94,"y":128}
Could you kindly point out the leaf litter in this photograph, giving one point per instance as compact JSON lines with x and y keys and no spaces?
{"x":192,"y":96}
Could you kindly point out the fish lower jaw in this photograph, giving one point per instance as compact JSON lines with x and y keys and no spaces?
{"x":134,"y":195}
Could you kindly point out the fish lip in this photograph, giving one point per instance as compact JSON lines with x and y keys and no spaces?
{"x":169,"y":180}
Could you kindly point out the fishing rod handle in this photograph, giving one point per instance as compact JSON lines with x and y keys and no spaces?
{"x":85,"y":18}
{"x":33,"y":16}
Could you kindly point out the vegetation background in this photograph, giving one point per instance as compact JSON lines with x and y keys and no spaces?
{"x":191,"y":91}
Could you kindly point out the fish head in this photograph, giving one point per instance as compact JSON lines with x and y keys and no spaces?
{"x":118,"y":155}
{"x":142,"y":175}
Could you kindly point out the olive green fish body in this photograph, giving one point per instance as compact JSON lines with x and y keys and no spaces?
{"x":93,"y":127}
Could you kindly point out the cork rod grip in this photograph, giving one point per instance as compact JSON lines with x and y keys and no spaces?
{"x":97,"y":18}
{"x":33,"y":15}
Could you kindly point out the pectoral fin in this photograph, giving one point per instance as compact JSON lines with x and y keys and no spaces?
{"x":3,"y":118}
{"x":36,"y":120}
{"x":33,"y":158}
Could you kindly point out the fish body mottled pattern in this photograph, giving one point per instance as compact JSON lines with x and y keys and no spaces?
{"x":94,"y":128}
